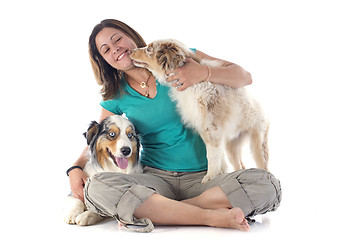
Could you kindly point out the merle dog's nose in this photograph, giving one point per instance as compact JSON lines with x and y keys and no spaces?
{"x":125,"y":151}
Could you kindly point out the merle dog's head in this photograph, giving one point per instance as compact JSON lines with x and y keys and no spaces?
{"x":113,"y":144}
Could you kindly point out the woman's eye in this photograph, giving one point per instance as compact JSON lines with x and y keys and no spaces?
{"x":118,"y":39}
{"x":111,"y":134}
{"x":107,"y":50}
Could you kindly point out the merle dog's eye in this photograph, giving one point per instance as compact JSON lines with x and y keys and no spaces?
{"x":111,"y":134}
{"x":130,"y":135}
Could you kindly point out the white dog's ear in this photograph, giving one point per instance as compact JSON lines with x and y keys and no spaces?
{"x":170,"y":56}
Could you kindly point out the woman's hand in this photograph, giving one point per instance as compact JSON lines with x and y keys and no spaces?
{"x":189,"y":74}
{"x":228,"y":74}
{"x":77,"y":180}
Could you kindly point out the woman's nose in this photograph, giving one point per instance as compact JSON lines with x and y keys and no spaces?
{"x":116,"y":50}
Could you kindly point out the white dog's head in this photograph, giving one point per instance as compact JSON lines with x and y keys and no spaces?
{"x":160,"y":56}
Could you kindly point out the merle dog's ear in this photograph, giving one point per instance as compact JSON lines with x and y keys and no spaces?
{"x":170,"y":56}
{"x":138,"y":146}
{"x":92,"y":131}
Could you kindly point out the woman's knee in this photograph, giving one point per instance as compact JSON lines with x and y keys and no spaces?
{"x":263,"y":190}
{"x":117,"y":195}
{"x":109,"y":194}
{"x":100,"y":187}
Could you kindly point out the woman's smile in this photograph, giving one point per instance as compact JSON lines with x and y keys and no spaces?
{"x":122,"y":55}
{"x":114,"y":46}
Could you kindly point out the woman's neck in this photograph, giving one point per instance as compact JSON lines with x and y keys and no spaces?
{"x":137,"y":74}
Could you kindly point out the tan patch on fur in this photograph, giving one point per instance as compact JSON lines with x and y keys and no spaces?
{"x":101,"y":152}
{"x":141,"y":55}
{"x":134,"y":156}
{"x":128,"y":130}
{"x":169,"y":57}
{"x":91,"y":132}
{"x":104,"y":142}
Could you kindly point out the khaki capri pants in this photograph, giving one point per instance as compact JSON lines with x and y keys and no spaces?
{"x":118,"y":195}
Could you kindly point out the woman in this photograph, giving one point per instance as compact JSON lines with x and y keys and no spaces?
{"x":174,"y":157}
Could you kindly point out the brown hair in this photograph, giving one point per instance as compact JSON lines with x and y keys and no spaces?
{"x":107,"y":76}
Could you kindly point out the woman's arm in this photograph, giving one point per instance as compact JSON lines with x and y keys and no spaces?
{"x":77,"y":177}
{"x":229,"y":74}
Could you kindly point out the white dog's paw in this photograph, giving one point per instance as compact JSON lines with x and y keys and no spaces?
{"x":207,"y":177}
{"x":88,"y":218}
{"x":211,"y":174}
{"x":72,"y":209}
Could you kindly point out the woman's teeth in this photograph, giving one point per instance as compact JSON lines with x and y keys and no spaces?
{"x":121,"y":56}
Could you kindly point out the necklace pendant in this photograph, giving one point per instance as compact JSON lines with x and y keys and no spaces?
{"x":143,"y":84}
{"x":147,"y":95}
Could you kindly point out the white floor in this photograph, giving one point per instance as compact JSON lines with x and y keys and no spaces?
{"x":111,"y":228}
{"x":278,"y":225}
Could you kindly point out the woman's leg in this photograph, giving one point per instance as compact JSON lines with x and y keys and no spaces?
{"x":162,"y":210}
{"x":125,"y":197}
{"x":118,"y":195}
{"x":255,"y":191}
{"x":213,"y":198}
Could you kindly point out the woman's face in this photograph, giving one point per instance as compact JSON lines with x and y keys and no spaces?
{"x":114,"y":46}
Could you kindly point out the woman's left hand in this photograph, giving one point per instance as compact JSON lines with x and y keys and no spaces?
{"x":191,"y":73}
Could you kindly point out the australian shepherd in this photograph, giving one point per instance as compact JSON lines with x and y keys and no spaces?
{"x":223,"y":116}
{"x":113,"y":147}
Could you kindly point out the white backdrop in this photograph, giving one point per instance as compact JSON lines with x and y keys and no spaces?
{"x":49,"y":95}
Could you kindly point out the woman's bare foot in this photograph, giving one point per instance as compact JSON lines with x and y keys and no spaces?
{"x":233,"y":218}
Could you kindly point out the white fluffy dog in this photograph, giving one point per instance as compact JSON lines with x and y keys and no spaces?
{"x":224,"y":117}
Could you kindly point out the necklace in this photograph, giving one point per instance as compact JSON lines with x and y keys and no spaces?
{"x":145,"y":85}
